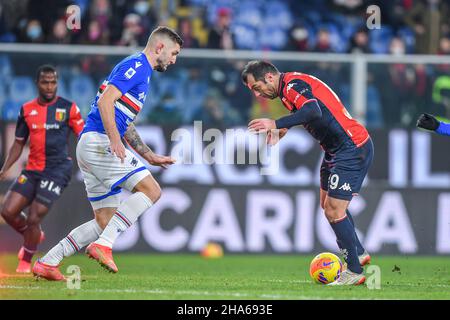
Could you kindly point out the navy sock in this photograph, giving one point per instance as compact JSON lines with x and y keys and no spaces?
{"x":345,"y":233}
{"x":359,"y":246}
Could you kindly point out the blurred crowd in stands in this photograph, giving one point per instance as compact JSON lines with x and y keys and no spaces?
{"x":420,"y":26}
{"x":211,"y":90}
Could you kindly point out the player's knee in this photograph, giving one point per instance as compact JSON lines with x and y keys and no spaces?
{"x":7,"y":213}
{"x":332,"y":211}
{"x":151,"y":190}
{"x":34,"y":220}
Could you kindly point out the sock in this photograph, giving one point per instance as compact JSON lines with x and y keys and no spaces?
{"x":127,"y":214}
{"x":28,"y":253}
{"x":345,"y":233}
{"x":75,"y":240}
{"x":359,"y":247}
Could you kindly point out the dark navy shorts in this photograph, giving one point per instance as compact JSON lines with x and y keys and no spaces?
{"x":35,"y":185}
{"x":342,"y":173}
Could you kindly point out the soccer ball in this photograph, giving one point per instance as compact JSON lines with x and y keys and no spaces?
{"x":212,"y":250}
{"x":325,"y":268}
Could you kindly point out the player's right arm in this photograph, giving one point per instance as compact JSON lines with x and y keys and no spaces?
{"x":107,"y":112}
{"x":22,"y":133}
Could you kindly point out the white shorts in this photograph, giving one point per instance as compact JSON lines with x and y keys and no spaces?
{"x":103,"y":173}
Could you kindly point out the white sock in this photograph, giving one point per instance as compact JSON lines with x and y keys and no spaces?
{"x":127,"y":214}
{"x":75,"y":240}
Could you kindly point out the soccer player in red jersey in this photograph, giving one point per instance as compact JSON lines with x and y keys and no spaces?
{"x":46,"y":122}
{"x":347,"y":145}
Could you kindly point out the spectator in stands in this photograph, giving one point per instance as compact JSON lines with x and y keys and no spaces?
{"x":215,"y":113}
{"x":166,"y":112}
{"x":298,"y":39}
{"x":34,"y":32}
{"x":429,"y":20}
{"x":323,"y":43}
{"x":220,"y":36}
{"x":132,"y":31}
{"x":148,"y":19}
{"x":359,"y":43}
{"x":60,"y":33}
{"x":185,"y":31}
{"x":95,"y":34}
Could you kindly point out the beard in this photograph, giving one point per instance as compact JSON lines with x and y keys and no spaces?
{"x":160,"y":67}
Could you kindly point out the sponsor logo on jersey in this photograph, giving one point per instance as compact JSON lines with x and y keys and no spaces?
{"x":53,"y":126}
{"x":33,"y":112}
{"x":130,"y":73}
{"x":137,"y":64}
{"x":60,"y":114}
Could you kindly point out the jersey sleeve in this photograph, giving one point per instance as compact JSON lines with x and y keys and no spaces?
{"x":127,"y":75}
{"x":22,"y":130}
{"x":444,"y":129}
{"x":76,"y":122}
{"x":299,"y":93}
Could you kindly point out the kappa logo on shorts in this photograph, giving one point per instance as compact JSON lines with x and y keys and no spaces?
{"x":134,"y":162}
{"x":346,"y":187}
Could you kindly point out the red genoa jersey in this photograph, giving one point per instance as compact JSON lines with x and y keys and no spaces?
{"x":48,"y":127}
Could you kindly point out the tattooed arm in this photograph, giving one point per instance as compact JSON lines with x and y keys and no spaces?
{"x":134,"y":141}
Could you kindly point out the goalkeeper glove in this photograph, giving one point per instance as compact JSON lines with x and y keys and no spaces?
{"x":427,"y":121}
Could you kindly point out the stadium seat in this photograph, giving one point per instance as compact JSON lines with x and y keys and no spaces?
{"x":272,"y":38}
{"x":246,"y":37}
{"x":374,"y":117}
{"x":10,"y":110}
{"x":21,"y":89}
{"x":379,"y":39}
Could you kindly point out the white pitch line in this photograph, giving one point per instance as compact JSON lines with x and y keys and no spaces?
{"x":178,"y":292}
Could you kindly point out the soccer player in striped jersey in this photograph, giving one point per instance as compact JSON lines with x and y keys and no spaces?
{"x":107,"y":166}
{"x":46,"y":122}
{"x":347,"y":145}
{"x":427,"y":121}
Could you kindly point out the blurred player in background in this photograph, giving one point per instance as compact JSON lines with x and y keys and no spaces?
{"x":47,"y":122}
{"x":347,"y":145}
{"x":427,"y":121}
{"x":105,"y":163}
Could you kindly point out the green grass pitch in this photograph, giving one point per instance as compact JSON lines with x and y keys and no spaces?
{"x":171,"y":277}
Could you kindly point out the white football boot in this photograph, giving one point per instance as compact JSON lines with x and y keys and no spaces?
{"x":349,"y":278}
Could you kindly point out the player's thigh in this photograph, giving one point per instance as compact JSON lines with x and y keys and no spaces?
{"x":150,"y":187}
{"x":348,"y":173}
{"x":19,"y":196}
{"x":103,"y":215}
{"x":323,"y":197}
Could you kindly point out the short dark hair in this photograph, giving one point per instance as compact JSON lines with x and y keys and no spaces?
{"x":46,"y":68}
{"x":170,"y":33}
{"x":258,"y":69}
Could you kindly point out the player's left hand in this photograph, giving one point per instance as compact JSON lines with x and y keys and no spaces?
{"x":161,"y":161}
{"x":261,"y":125}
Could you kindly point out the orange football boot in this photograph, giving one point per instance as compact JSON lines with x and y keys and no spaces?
{"x":23,"y":267}
{"x":52,"y":273}
{"x":103,"y":255}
